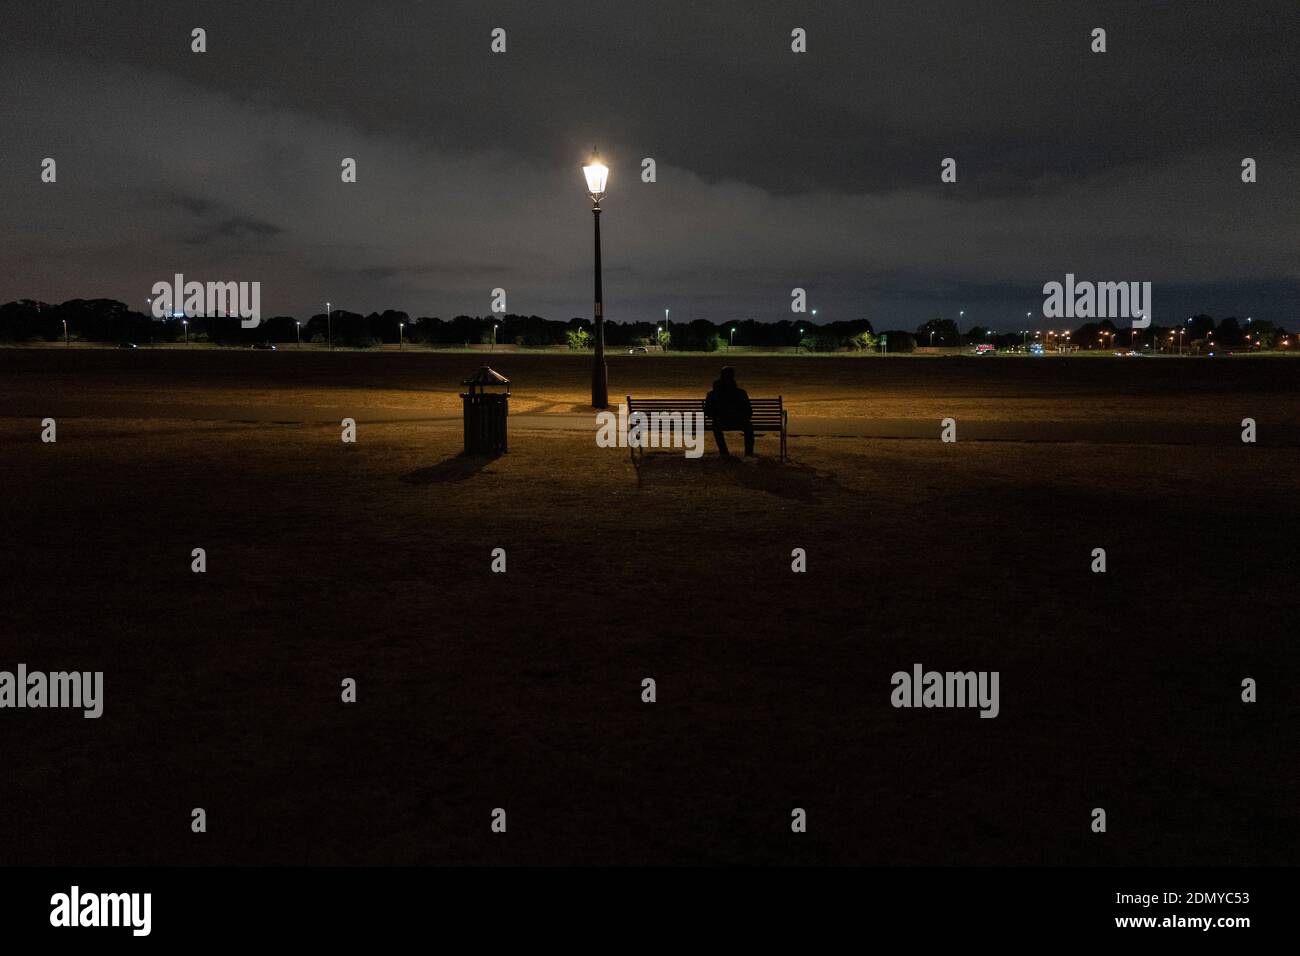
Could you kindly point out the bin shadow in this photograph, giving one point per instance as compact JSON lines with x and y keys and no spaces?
{"x":457,"y":468}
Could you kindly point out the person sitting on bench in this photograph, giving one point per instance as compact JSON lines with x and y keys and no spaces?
{"x":727,"y":405}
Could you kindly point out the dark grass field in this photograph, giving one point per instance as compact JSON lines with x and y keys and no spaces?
{"x":1047,"y":388}
{"x":522,"y":690}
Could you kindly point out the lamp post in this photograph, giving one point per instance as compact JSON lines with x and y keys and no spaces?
{"x":297,"y":331}
{"x":400,"y":327}
{"x":185,"y":324}
{"x":666,"y":328}
{"x":329,"y":336}
{"x":733,"y":335}
{"x":597,"y":174}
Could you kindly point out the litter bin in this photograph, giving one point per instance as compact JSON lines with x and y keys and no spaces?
{"x":485,"y":412}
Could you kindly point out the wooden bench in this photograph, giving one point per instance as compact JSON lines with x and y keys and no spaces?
{"x":769,"y":415}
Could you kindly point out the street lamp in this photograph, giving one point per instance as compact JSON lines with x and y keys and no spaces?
{"x":733,"y":335}
{"x":185,"y":324}
{"x":400,"y":327}
{"x":597,"y":174}
{"x":665,"y":327}
{"x":297,"y":331}
{"x":329,"y":336}
{"x":65,"y":331}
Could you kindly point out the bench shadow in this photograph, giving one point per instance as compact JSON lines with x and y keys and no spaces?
{"x":456,"y":468}
{"x":790,"y":480}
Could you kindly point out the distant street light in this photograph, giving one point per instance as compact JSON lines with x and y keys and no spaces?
{"x":297,"y":329}
{"x":329,"y":335}
{"x":65,"y":331}
{"x":185,"y":324}
{"x":733,"y":335}
{"x":400,"y":327}
{"x":597,"y":174}
{"x":666,"y":327}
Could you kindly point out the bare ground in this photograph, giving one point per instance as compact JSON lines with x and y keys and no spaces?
{"x":522,"y":690}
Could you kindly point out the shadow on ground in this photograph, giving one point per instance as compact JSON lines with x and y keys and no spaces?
{"x":790,"y":480}
{"x":457,"y":468}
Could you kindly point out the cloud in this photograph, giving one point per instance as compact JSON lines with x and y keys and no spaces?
{"x":822,"y":174}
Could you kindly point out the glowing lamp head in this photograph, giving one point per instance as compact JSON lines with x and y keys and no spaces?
{"x":597,"y":174}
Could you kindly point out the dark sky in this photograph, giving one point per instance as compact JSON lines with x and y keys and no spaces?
{"x":775,"y":169}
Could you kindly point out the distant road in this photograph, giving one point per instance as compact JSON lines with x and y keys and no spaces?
{"x":1092,"y":432}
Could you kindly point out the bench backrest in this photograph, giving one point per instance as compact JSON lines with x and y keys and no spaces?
{"x":767,"y":412}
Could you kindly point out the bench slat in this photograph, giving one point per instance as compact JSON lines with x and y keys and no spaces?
{"x":767,"y":413}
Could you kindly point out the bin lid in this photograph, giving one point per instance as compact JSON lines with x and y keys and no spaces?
{"x":486,"y":376}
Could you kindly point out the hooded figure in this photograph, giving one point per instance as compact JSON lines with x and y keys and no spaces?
{"x":727,"y":405}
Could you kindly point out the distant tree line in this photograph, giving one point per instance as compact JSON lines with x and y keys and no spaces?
{"x":110,"y":321}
